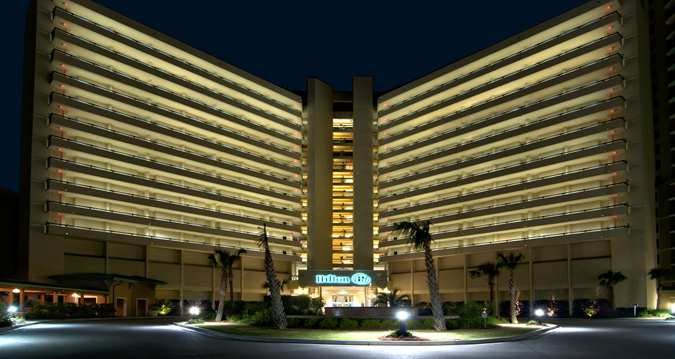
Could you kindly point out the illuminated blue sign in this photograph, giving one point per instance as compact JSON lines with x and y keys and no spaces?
{"x":359,"y":278}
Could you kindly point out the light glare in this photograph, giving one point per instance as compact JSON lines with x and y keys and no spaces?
{"x":12,"y":309}
{"x":539,"y":312}
{"x":194,"y":310}
{"x":402,"y":315}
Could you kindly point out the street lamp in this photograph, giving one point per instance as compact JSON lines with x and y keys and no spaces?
{"x":402,"y":316}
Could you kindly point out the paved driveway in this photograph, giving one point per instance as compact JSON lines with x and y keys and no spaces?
{"x":623,"y":338}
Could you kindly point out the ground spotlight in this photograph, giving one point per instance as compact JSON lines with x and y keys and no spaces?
{"x":402,"y":315}
{"x":194,"y":310}
{"x":539,"y":312}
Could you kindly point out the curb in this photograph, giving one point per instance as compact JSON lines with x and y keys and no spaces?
{"x":15,"y":327}
{"x":47,"y":321}
{"x":220,"y":335}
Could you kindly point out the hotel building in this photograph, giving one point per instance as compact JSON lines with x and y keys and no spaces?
{"x":144,"y":155}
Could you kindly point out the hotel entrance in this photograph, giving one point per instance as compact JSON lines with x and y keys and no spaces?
{"x":347,"y":296}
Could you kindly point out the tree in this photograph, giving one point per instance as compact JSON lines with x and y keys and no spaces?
{"x":392,"y":299}
{"x":608,"y":280}
{"x":510,"y":262}
{"x":282,"y":284}
{"x":658,"y":274}
{"x":491,"y":271}
{"x":419,"y":236}
{"x":278,"y":314}
{"x":225,"y":261}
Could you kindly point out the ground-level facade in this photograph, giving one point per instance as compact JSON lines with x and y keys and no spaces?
{"x":143,"y":156}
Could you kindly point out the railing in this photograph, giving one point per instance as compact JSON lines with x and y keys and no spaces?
{"x":182,"y":150}
{"x":188,"y":64}
{"x":439,"y":199}
{"x":163,"y":201}
{"x":250,"y":187}
{"x":412,"y":99}
{"x":523,"y":163}
{"x":202,"y":190}
{"x":386,"y":227}
{"x":181,"y":131}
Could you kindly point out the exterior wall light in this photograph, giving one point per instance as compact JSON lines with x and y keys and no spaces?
{"x":16,"y":290}
{"x":12,"y":309}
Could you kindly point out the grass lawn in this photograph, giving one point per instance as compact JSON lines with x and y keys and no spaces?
{"x":324,"y":334}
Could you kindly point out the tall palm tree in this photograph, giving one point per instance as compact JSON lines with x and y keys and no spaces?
{"x":608,"y":280}
{"x":282,"y":284}
{"x":491,"y":271}
{"x":225,"y":261}
{"x":278,"y":314}
{"x":392,"y":299}
{"x":658,"y":274}
{"x":510,"y":262}
{"x":419,"y":236}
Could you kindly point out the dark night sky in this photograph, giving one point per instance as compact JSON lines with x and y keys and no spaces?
{"x":287,"y":41}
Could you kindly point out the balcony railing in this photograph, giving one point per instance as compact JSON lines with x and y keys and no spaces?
{"x":113,"y":194}
{"x":113,"y":34}
{"x":154,"y":183}
{"x":564,"y":155}
{"x":177,"y":132}
{"x":523,"y":184}
{"x":614,"y":16}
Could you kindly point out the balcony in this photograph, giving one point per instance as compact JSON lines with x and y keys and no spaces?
{"x":575,"y":216}
{"x":112,"y":175}
{"x":112,"y":195}
{"x":515,"y":76}
{"x":139,"y":161}
{"x":583,"y":173}
{"x":559,"y":198}
{"x":174,"y":132}
{"x":162,"y":112}
{"x":515,"y":149}
{"x":538,"y":47}
{"x":65,"y":230}
{"x":520,"y":93}
{"x":188,"y":66}
{"x":530,"y":108}
{"x":143,"y":143}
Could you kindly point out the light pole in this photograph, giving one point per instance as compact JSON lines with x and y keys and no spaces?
{"x":402,"y":316}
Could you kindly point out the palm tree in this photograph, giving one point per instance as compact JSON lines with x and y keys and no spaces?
{"x":510,"y":262}
{"x":491,"y":271}
{"x":418,"y":235}
{"x":392,"y":299}
{"x":225,"y":260}
{"x":278,"y":314}
{"x":608,"y":280}
{"x":658,"y":274}
{"x":282,"y":284}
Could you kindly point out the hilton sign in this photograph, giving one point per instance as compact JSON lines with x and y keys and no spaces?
{"x":355,"y":278}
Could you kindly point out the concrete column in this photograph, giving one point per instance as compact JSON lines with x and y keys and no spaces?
{"x":213,"y":287}
{"x":364,"y":115}
{"x":22,"y":298}
{"x":319,"y":113}
{"x":466,"y":279}
{"x":107,"y":257}
{"x":241,"y":279}
{"x":570,"y":288}
{"x":11,"y":298}
{"x":412,"y":282}
{"x":530,"y":265}
{"x":182,"y":282}
{"x":147,"y":261}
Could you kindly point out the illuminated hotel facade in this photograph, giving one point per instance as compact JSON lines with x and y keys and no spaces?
{"x":145,"y":155}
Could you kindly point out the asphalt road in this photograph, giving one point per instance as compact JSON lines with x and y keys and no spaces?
{"x":622,"y":338}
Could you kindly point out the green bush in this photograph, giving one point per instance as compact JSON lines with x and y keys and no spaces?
{"x":5,"y":320}
{"x":296,"y":305}
{"x":470,"y":315}
{"x":348,"y":324}
{"x":453,"y":324}
{"x":262,"y":318}
{"x":659,"y":313}
{"x":371,"y":324}
{"x":426,"y":323}
{"x":295,"y":323}
{"x":312,"y":323}
{"x":328,"y":323}
{"x":70,"y":310}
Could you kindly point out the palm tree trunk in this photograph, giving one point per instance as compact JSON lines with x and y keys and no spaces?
{"x":434,"y":295}
{"x":610,"y":294}
{"x":512,"y":291}
{"x":658,"y":297}
{"x":231,"y":285}
{"x":278,"y":314}
{"x":491,"y":285}
{"x":221,"y":294}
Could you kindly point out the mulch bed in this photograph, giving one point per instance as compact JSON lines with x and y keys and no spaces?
{"x":403,"y":339}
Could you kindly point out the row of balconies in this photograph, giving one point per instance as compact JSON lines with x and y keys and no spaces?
{"x":509,"y":133}
{"x":162,"y":112}
{"x":512,"y":77}
{"x":605,"y":233}
{"x":518,"y":148}
{"x":187,"y":65}
{"x":179,"y":134}
{"x":106,"y":235}
{"x":558,"y":198}
{"x":577,"y":93}
{"x":125,"y":197}
{"x":168,"y":98}
{"x":547,"y":220}
{"x":151,"y":221}
{"x":563,"y":177}
{"x":128,"y":159}
{"x":524,"y":165}
{"x":144,"y":144}
{"x":520,"y":55}
{"x":156,"y":184}
{"x":521,"y":93}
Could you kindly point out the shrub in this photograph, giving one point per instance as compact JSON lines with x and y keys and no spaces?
{"x":348,"y":324}
{"x":5,"y":320}
{"x":426,"y":323}
{"x":453,"y":324}
{"x":70,"y":310}
{"x":659,"y":313}
{"x":163,"y":307}
{"x":262,"y":318}
{"x":371,"y":324}
{"x":296,"y":305}
{"x":328,"y":323}
{"x":470,"y":315}
{"x":295,"y":323}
